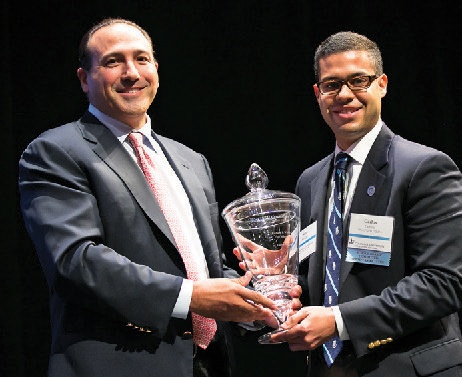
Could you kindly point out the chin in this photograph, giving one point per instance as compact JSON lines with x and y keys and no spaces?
{"x":135,"y":109}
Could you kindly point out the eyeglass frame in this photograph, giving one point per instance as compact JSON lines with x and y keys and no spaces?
{"x":371,"y":79}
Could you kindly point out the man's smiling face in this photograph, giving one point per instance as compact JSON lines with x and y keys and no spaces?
{"x":350,"y":114}
{"x":123,"y":78}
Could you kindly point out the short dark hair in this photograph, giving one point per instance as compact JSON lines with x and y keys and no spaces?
{"x":348,"y":41}
{"x":84,"y":54}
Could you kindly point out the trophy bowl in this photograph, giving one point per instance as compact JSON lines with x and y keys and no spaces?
{"x":265,"y":226}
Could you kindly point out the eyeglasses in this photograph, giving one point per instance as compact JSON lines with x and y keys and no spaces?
{"x":355,"y":84}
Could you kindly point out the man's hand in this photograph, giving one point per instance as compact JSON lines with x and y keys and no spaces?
{"x":295,"y":293}
{"x":310,"y":327}
{"x":230,"y":300}
{"x":238,"y":255}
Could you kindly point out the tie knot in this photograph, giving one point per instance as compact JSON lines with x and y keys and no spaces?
{"x":136,"y":138}
{"x":341,"y":160}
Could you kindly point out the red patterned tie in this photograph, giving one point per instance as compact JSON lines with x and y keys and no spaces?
{"x":203,"y":328}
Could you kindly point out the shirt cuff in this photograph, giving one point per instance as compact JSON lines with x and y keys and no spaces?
{"x":342,"y":331}
{"x":181,"y":308}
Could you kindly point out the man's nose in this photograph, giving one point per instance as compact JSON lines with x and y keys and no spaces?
{"x":345,"y":90}
{"x":131,"y":71}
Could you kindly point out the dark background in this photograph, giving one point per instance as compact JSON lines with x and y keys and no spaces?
{"x":235,"y":84}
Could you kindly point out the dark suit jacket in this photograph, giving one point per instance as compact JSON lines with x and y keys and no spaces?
{"x":109,"y":258}
{"x":402,"y":318}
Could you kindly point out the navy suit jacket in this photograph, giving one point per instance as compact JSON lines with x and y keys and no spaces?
{"x":107,"y":253}
{"x":401,"y":318}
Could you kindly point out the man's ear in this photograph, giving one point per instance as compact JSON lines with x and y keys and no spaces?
{"x":383,"y":83}
{"x":82,"y":75}
{"x":317,"y":93}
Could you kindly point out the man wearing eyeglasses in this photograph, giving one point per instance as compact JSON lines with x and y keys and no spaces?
{"x":393,"y":310}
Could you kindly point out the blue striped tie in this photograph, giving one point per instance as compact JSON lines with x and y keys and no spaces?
{"x":332,"y":348}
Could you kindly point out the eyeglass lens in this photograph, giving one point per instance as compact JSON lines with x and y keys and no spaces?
{"x":354,"y":83}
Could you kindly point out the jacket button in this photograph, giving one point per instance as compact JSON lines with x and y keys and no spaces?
{"x":186,"y":335}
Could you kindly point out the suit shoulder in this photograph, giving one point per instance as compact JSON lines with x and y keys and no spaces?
{"x":310,"y":174}
{"x":312,"y":171}
{"x":176,"y":143}
{"x":178,"y":146}
{"x":413,"y":151}
{"x":412,"y":147}
{"x":62,"y":134}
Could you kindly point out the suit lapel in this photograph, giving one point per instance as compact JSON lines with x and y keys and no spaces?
{"x":198,"y":200}
{"x":373,"y":188}
{"x":114,"y":155}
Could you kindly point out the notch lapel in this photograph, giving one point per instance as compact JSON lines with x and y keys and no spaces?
{"x":374,"y":174}
{"x":114,"y":155}
{"x":199,"y":204}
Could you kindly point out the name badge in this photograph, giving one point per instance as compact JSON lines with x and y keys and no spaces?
{"x":369,"y":239}
{"x":307,"y":244}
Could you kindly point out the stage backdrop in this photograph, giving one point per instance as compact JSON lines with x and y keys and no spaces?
{"x":235,"y":84}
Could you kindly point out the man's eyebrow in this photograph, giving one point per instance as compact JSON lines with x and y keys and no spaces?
{"x":336,"y":78}
{"x":123,"y":53}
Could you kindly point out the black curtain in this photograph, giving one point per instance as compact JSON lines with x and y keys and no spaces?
{"x":235,"y":84}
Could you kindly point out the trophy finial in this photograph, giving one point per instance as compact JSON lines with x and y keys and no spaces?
{"x":256,"y":178}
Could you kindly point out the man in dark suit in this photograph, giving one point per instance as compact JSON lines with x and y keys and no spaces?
{"x":120,"y":301}
{"x":400,"y":279}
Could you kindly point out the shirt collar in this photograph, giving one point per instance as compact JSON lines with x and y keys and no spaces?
{"x":118,"y":128}
{"x":360,"y":149}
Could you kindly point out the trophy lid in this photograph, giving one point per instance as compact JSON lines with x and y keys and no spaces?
{"x":257,"y":181}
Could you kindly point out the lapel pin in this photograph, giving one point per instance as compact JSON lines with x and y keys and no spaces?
{"x":371,"y":190}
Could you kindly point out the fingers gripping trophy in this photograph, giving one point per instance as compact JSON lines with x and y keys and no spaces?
{"x":265,"y":226}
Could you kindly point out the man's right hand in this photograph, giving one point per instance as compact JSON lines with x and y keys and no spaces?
{"x":229,"y":300}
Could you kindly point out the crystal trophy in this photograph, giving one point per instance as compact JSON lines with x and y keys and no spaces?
{"x":265,"y":226}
